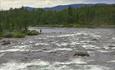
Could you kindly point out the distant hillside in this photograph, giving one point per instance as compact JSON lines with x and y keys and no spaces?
{"x":61,"y":7}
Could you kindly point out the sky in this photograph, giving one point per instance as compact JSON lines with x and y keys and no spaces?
{"x":7,"y":4}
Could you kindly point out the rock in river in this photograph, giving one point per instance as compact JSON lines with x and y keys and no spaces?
{"x":111,"y":45}
{"x":81,"y":54}
{"x":5,"y":42}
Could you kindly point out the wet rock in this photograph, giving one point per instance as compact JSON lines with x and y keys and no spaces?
{"x":81,"y":54}
{"x":111,"y":46}
{"x":94,"y":39}
{"x":5,"y":42}
{"x":53,"y":52}
{"x":44,"y":49}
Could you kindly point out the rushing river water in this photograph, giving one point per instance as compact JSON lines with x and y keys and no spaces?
{"x":54,"y":49}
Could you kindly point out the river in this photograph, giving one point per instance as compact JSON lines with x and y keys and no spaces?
{"x":55,"y":49}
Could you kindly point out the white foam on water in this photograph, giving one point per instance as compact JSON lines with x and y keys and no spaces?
{"x":44,"y":65}
{"x":90,"y":46}
{"x":81,"y":33}
{"x":62,"y":44}
{"x":58,"y":44}
{"x":69,"y":35}
{"x":57,"y":49}
{"x":76,"y":34}
{"x":85,"y":41}
{"x":113,"y":48}
{"x":106,"y":47}
{"x":66,"y":44}
{"x":31,"y":42}
{"x":41,"y":44}
{"x":80,"y":65}
{"x":9,"y":50}
{"x":73,"y":43}
{"x":51,"y":36}
{"x":111,"y":61}
{"x":21,"y":50}
{"x":103,"y":51}
{"x":18,"y":65}
{"x":41,"y":38}
{"x":95,"y":35}
{"x":13,"y":50}
{"x":18,"y":48}
{"x":68,"y":49}
{"x":66,"y":35}
{"x":75,"y":61}
{"x":90,"y":60}
{"x":97,"y":67}
{"x":113,"y":38}
{"x":79,"y":61}
{"x":12,"y":66}
{"x":22,"y":46}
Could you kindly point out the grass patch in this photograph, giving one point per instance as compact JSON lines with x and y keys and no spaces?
{"x":18,"y":34}
{"x":13,"y":35}
{"x":8,"y":35}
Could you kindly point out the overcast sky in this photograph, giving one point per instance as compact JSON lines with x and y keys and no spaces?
{"x":6,"y":4}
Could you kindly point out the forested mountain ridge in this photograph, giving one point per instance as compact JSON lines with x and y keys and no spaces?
{"x":87,"y":16}
{"x":62,"y":7}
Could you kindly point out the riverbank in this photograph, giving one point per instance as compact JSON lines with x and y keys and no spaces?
{"x":77,"y":26}
{"x":18,"y":34}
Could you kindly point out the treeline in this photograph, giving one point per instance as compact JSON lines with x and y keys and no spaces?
{"x":15,"y":23}
{"x":89,"y":16}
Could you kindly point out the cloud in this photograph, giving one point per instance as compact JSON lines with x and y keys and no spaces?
{"x":100,"y":1}
{"x":7,"y":4}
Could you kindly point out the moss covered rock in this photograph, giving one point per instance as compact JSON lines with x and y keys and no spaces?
{"x":32,"y":32}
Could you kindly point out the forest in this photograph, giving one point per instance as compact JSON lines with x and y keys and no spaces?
{"x":16,"y":21}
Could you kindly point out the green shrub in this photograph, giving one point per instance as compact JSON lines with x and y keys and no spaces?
{"x":14,"y":35}
{"x":33,"y":32}
{"x":8,"y":35}
{"x":1,"y":34}
{"x":18,"y":35}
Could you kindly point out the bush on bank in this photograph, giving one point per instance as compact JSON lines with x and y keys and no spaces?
{"x":13,"y":35}
{"x":18,"y":34}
